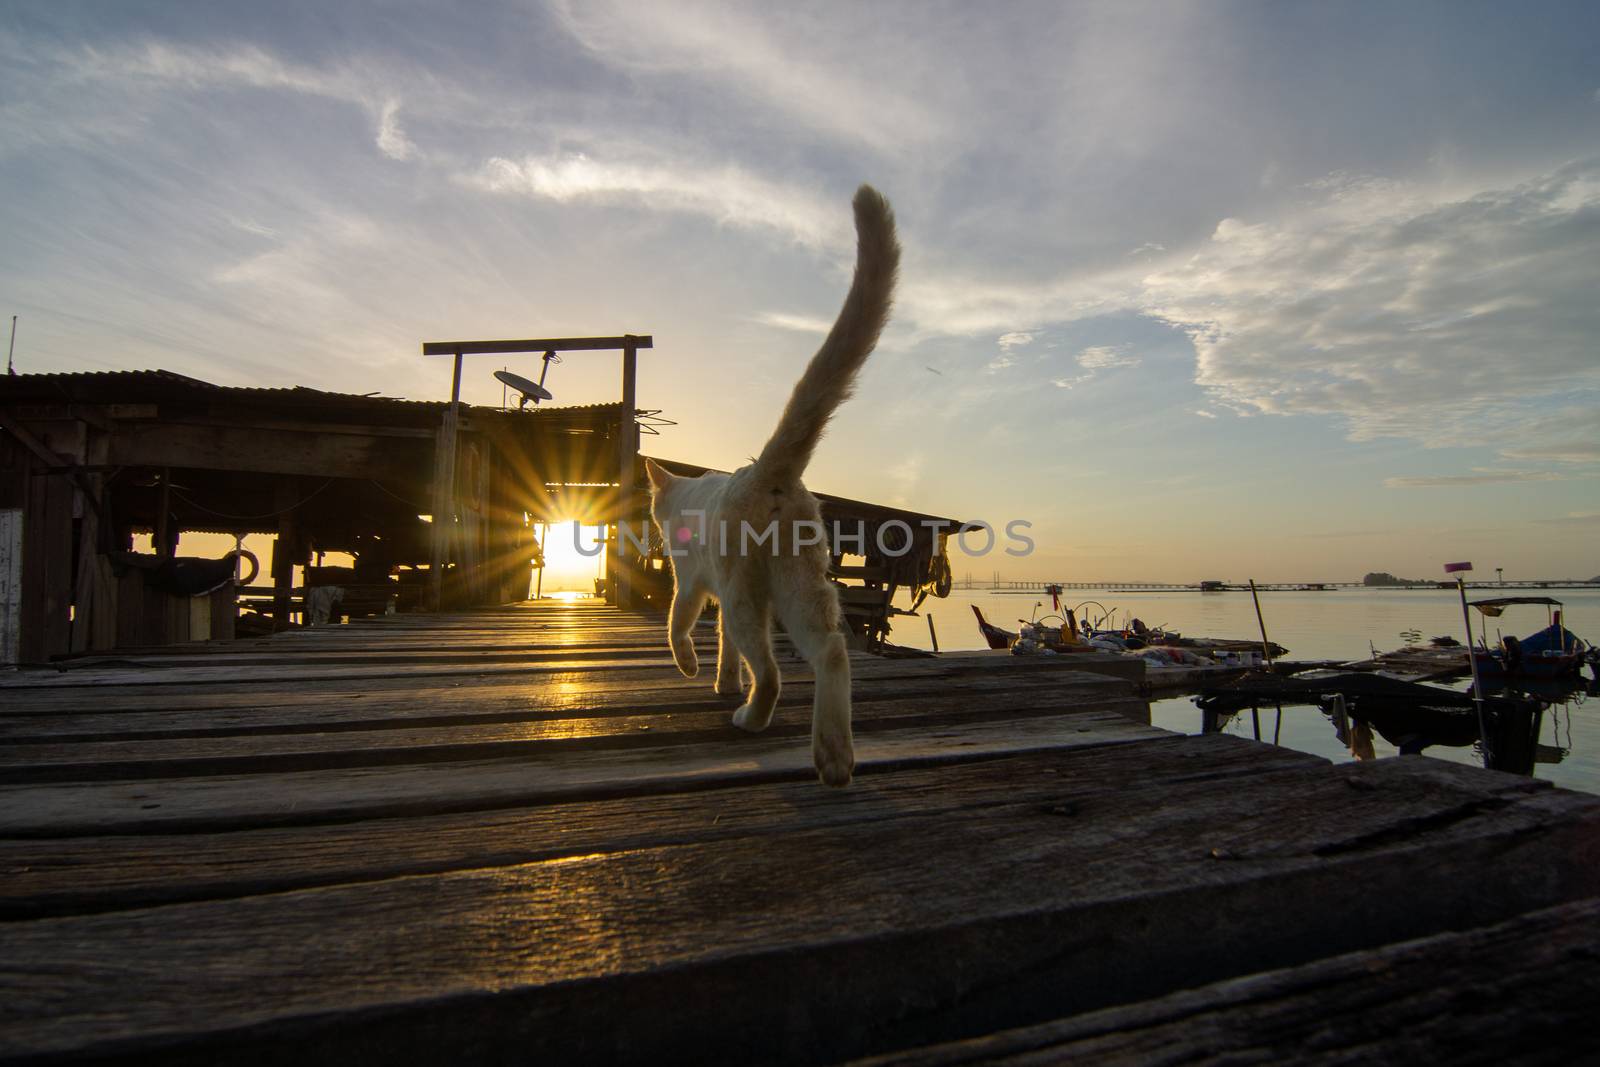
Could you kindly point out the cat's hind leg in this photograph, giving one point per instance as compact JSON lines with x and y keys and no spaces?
{"x":747,"y":627}
{"x":727,"y":658}
{"x":688,"y":601}
{"x":811,"y":616}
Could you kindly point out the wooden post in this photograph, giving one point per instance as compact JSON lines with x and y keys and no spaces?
{"x":10,"y":584}
{"x":1477,"y":682}
{"x":444,"y":488}
{"x":627,"y":458}
{"x":84,"y":615}
{"x":164,"y":535}
{"x":284,"y":552}
{"x":1266,"y":646}
{"x":46,"y":568}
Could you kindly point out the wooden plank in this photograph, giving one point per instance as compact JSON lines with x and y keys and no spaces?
{"x":164,"y":716}
{"x":46,"y":569}
{"x":819,"y":944}
{"x":79,"y":761}
{"x":306,"y":797}
{"x":547,"y":344}
{"x":113,"y":873}
{"x":253,"y":449}
{"x":1519,"y":991}
{"x":224,"y":617}
{"x":580,"y":658}
{"x":10,"y":584}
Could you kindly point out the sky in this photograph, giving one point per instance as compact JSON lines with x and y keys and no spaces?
{"x":1224,"y":290}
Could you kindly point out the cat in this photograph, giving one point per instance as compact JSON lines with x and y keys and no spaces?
{"x":713,"y":526}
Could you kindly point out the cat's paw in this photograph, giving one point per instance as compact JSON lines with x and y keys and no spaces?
{"x":684,"y":656}
{"x":835,"y":760}
{"x":748,"y":720}
{"x":727,"y":687}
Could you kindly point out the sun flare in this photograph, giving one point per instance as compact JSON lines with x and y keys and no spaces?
{"x":574,"y":557}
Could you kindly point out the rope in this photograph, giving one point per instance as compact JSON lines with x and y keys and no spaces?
{"x":247,"y":518}
{"x":396,"y":496}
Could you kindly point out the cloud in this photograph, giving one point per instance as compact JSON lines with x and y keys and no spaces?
{"x":392,"y":140}
{"x":727,"y":194}
{"x":1016,"y":339}
{"x":1446,"y":319}
{"x":1574,"y":518}
{"x":1103,"y":357}
{"x":1483,"y":477}
{"x":1205,"y":414}
{"x":199,"y":68}
{"x":798,"y":323}
{"x":817,"y":76}
{"x":1095,"y":359}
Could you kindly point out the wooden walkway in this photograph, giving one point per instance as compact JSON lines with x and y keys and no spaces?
{"x":520,"y":835}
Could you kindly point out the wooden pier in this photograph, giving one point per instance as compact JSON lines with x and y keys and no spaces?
{"x":519,"y":834}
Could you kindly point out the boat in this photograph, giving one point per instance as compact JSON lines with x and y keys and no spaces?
{"x":1038,"y":636}
{"x":993,"y":634}
{"x":1553,"y":652}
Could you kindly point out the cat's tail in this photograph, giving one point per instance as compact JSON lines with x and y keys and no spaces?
{"x":830,"y":377}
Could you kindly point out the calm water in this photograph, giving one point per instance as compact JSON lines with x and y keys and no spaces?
{"x":1340,"y":624}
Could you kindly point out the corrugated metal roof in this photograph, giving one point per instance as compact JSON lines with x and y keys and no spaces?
{"x":164,"y":386}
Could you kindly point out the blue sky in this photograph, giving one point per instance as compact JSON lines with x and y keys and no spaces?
{"x":1291,"y":291}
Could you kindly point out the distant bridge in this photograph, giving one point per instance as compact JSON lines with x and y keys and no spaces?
{"x":1038,"y":586}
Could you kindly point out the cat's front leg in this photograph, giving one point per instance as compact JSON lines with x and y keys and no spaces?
{"x":687,"y":603}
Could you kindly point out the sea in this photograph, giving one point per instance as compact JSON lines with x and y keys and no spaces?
{"x":1335,"y":624}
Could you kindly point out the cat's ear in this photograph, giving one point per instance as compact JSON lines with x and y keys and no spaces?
{"x":659,"y":476}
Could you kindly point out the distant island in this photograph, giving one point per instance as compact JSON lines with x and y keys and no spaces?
{"x":1385,"y":578}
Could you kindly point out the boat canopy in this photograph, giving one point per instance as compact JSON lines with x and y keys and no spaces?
{"x":1493,"y":608}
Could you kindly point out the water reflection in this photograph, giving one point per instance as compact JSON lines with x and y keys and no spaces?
{"x":1506,"y":733}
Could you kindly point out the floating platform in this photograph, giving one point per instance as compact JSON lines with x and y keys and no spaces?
{"x":519,"y":834}
{"x":1417,"y":663}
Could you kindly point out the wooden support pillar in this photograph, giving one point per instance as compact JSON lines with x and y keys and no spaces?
{"x":284,"y":553}
{"x":10,"y":584}
{"x":627,"y":457}
{"x":444,"y":488}
{"x":46,"y":568}
{"x":94,"y":617}
{"x":166,"y":537}
{"x":86,"y":610}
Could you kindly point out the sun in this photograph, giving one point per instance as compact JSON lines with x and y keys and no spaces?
{"x":571,"y":562}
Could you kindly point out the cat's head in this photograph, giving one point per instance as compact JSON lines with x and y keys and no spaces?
{"x":662,"y":482}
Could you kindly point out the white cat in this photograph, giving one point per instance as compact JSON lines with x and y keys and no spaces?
{"x":715,"y":526}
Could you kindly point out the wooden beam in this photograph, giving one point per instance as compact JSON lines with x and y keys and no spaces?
{"x":248,"y":448}
{"x":550,"y":344}
{"x":52,"y":461}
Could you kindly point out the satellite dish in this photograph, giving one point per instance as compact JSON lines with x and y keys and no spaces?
{"x":530,"y":390}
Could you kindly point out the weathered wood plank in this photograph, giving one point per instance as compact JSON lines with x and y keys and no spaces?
{"x":148,"y":689}
{"x":85,"y":761}
{"x":106,"y":873}
{"x":1520,"y":991}
{"x":876,"y":934}
{"x":305,"y":797}
{"x":163,"y":714}
{"x":247,"y":448}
